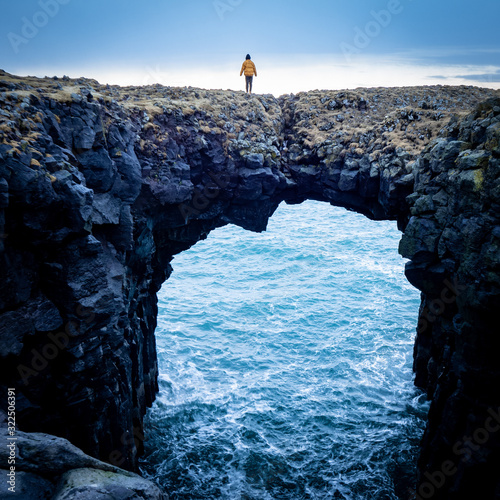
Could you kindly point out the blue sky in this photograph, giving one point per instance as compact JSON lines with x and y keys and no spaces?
{"x":296,"y":44}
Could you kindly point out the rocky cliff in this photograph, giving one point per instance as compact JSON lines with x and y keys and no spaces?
{"x":453,"y":241}
{"x":101,"y":186}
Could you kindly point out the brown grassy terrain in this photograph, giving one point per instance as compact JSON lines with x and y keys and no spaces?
{"x":406,"y":117}
{"x":360,"y":120}
{"x":209,"y":111}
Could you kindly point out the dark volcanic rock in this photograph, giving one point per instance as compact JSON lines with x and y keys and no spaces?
{"x":453,"y":241}
{"x":92,"y":484}
{"x":100,"y":188}
{"x":28,"y":487}
{"x":47,"y":455}
{"x":51,"y":467}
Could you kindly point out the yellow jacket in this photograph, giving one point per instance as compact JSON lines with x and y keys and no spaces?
{"x":248,"y":68}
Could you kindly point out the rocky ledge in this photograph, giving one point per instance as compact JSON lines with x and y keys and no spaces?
{"x":101,"y":186}
{"x":51,"y":467}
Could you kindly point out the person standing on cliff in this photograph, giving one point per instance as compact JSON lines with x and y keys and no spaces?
{"x":249,"y":69}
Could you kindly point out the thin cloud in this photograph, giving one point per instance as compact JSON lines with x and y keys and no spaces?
{"x":484,"y":77}
{"x":448,"y":56}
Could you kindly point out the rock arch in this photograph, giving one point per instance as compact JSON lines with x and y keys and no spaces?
{"x":101,"y":186}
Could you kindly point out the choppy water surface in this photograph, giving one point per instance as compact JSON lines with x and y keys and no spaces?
{"x":285,"y":364}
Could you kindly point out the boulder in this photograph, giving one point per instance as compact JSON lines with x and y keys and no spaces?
{"x":92,"y":484}
{"x":47,"y":455}
{"x":27,"y":487}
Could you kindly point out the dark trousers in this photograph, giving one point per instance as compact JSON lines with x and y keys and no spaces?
{"x":249,"y":81}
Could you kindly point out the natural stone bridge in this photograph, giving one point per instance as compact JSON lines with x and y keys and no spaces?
{"x":101,"y":186}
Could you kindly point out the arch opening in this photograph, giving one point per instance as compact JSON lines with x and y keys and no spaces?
{"x":285,"y":363}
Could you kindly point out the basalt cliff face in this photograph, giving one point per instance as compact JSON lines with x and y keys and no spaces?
{"x":101,"y":186}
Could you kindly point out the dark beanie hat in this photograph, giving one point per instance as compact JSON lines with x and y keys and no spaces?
{"x":248,"y":56}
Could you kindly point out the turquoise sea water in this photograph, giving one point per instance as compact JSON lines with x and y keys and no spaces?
{"x":285,"y":364}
